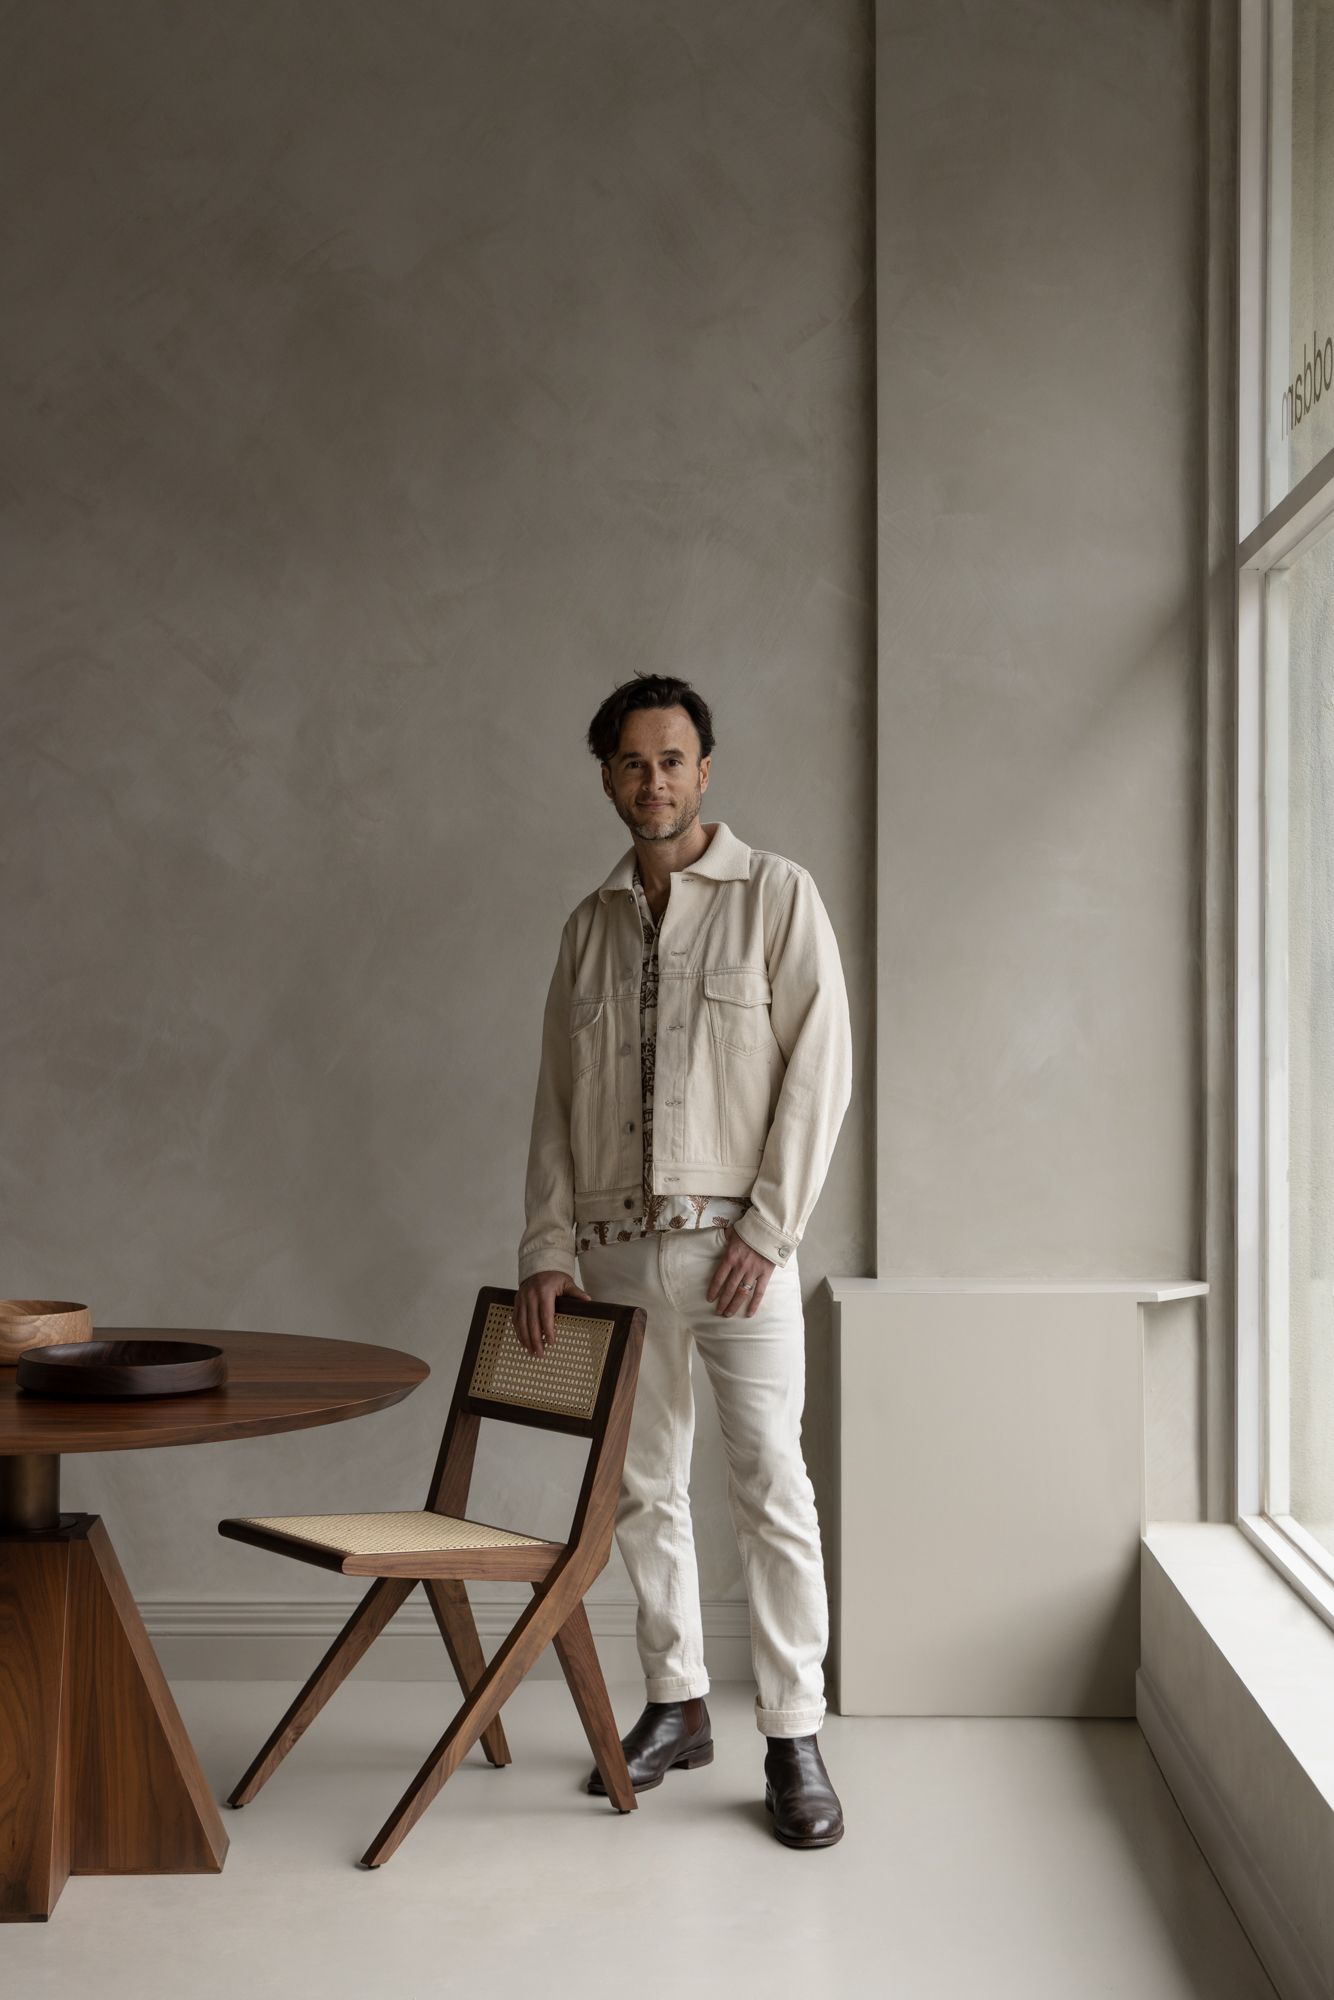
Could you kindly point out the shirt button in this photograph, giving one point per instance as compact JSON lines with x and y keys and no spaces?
{"x":630,"y":1125}
{"x":625,"y":1048}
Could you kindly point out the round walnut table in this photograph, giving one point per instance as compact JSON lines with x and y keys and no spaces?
{"x":97,"y":1774}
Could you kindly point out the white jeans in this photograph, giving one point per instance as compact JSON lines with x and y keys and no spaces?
{"x":757,"y":1368}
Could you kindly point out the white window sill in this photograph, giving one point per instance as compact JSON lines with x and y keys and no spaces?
{"x":1280,"y":1650}
{"x":1235,"y":1694}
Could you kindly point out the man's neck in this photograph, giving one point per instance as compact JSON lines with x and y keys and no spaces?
{"x":659,"y":860}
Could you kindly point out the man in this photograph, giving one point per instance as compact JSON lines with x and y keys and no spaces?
{"x":696,"y":1066}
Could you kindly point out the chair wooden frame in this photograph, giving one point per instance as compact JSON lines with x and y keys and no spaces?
{"x":560,"y":1574}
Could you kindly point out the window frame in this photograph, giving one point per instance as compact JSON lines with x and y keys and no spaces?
{"x":1272,"y":537}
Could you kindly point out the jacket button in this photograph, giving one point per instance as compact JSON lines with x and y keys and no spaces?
{"x":629,"y":1124}
{"x":628,"y":1202}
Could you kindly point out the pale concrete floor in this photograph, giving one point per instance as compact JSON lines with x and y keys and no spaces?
{"x":983,"y":1861}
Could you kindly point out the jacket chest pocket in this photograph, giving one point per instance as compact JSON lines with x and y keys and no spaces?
{"x":737,"y":1006}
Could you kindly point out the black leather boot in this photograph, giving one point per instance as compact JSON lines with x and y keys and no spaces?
{"x":798,"y":1793}
{"x":669,"y":1736}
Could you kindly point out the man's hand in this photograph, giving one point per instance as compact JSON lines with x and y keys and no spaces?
{"x":741,"y":1278}
{"x":535,"y":1308}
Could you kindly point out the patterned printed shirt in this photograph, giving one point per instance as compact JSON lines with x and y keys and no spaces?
{"x":656,"y":1211}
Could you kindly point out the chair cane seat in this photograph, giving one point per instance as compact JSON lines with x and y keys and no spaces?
{"x":388,"y":1534}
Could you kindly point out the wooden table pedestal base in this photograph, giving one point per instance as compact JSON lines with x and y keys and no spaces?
{"x":97,"y":1774}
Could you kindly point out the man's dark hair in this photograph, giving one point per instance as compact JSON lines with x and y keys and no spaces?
{"x":647,"y":691}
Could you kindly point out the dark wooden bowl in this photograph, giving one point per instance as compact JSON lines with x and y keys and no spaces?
{"x":26,"y":1323}
{"x":123,"y":1368}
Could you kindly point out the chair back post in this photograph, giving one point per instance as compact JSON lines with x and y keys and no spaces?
{"x":595,"y":1510}
{"x":453,"y":1467}
{"x":452,"y":1477}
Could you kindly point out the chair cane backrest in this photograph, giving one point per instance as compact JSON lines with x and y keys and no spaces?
{"x":569,"y":1388}
{"x":563,"y":1382}
{"x":583,"y":1385}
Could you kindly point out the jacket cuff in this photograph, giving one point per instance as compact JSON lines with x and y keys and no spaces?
{"x":547,"y":1257}
{"x":771,"y":1243}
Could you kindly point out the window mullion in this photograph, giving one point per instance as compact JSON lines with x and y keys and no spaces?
{"x":1277,"y":1151}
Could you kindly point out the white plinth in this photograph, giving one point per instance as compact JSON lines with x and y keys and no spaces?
{"x":991,"y":1496}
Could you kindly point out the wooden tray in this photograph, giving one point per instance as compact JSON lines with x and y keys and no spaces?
{"x":122,"y":1368}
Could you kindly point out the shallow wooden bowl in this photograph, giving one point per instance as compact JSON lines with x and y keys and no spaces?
{"x":116,"y":1368}
{"x":40,"y":1323}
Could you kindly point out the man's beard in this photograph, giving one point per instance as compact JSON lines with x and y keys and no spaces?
{"x":688,"y":814}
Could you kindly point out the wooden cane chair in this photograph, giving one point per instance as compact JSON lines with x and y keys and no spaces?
{"x":583,"y":1385}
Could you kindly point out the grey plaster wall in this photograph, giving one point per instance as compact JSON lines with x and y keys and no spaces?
{"x":1040,"y":268}
{"x":378,"y":385}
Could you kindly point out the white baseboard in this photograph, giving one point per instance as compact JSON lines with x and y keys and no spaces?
{"x":1259,"y":1910}
{"x":272,"y":1639}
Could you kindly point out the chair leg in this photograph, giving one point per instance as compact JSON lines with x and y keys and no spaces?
{"x":361,"y":1631}
{"x":532,"y":1632}
{"x":583,"y":1670}
{"x":458,"y":1629}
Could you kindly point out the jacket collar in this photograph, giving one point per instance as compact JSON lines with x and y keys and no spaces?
{"x":725,"y":859}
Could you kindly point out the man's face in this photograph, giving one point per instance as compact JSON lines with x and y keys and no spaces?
{"x":657,"y":777}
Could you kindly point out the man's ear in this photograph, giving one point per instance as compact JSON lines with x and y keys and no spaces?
{"x":606,"y":783}
{"x":704,"y":764}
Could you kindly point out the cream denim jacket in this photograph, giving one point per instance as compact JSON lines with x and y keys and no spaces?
{"x":754,"y":1054}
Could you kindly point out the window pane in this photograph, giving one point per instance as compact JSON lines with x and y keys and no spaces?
{"x":1308,"y":589}
{"x":1300,"y":402}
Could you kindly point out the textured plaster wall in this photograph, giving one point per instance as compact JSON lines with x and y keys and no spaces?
{"x":1039,"y":260}
{"x":379,"y":385}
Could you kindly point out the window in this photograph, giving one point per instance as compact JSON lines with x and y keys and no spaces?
{"x":1285,"y":583}
{"x":1299,"y":414}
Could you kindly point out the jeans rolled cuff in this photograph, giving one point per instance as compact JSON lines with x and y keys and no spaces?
{"x":789,"y":1721}
{"x":681,"y":1687}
